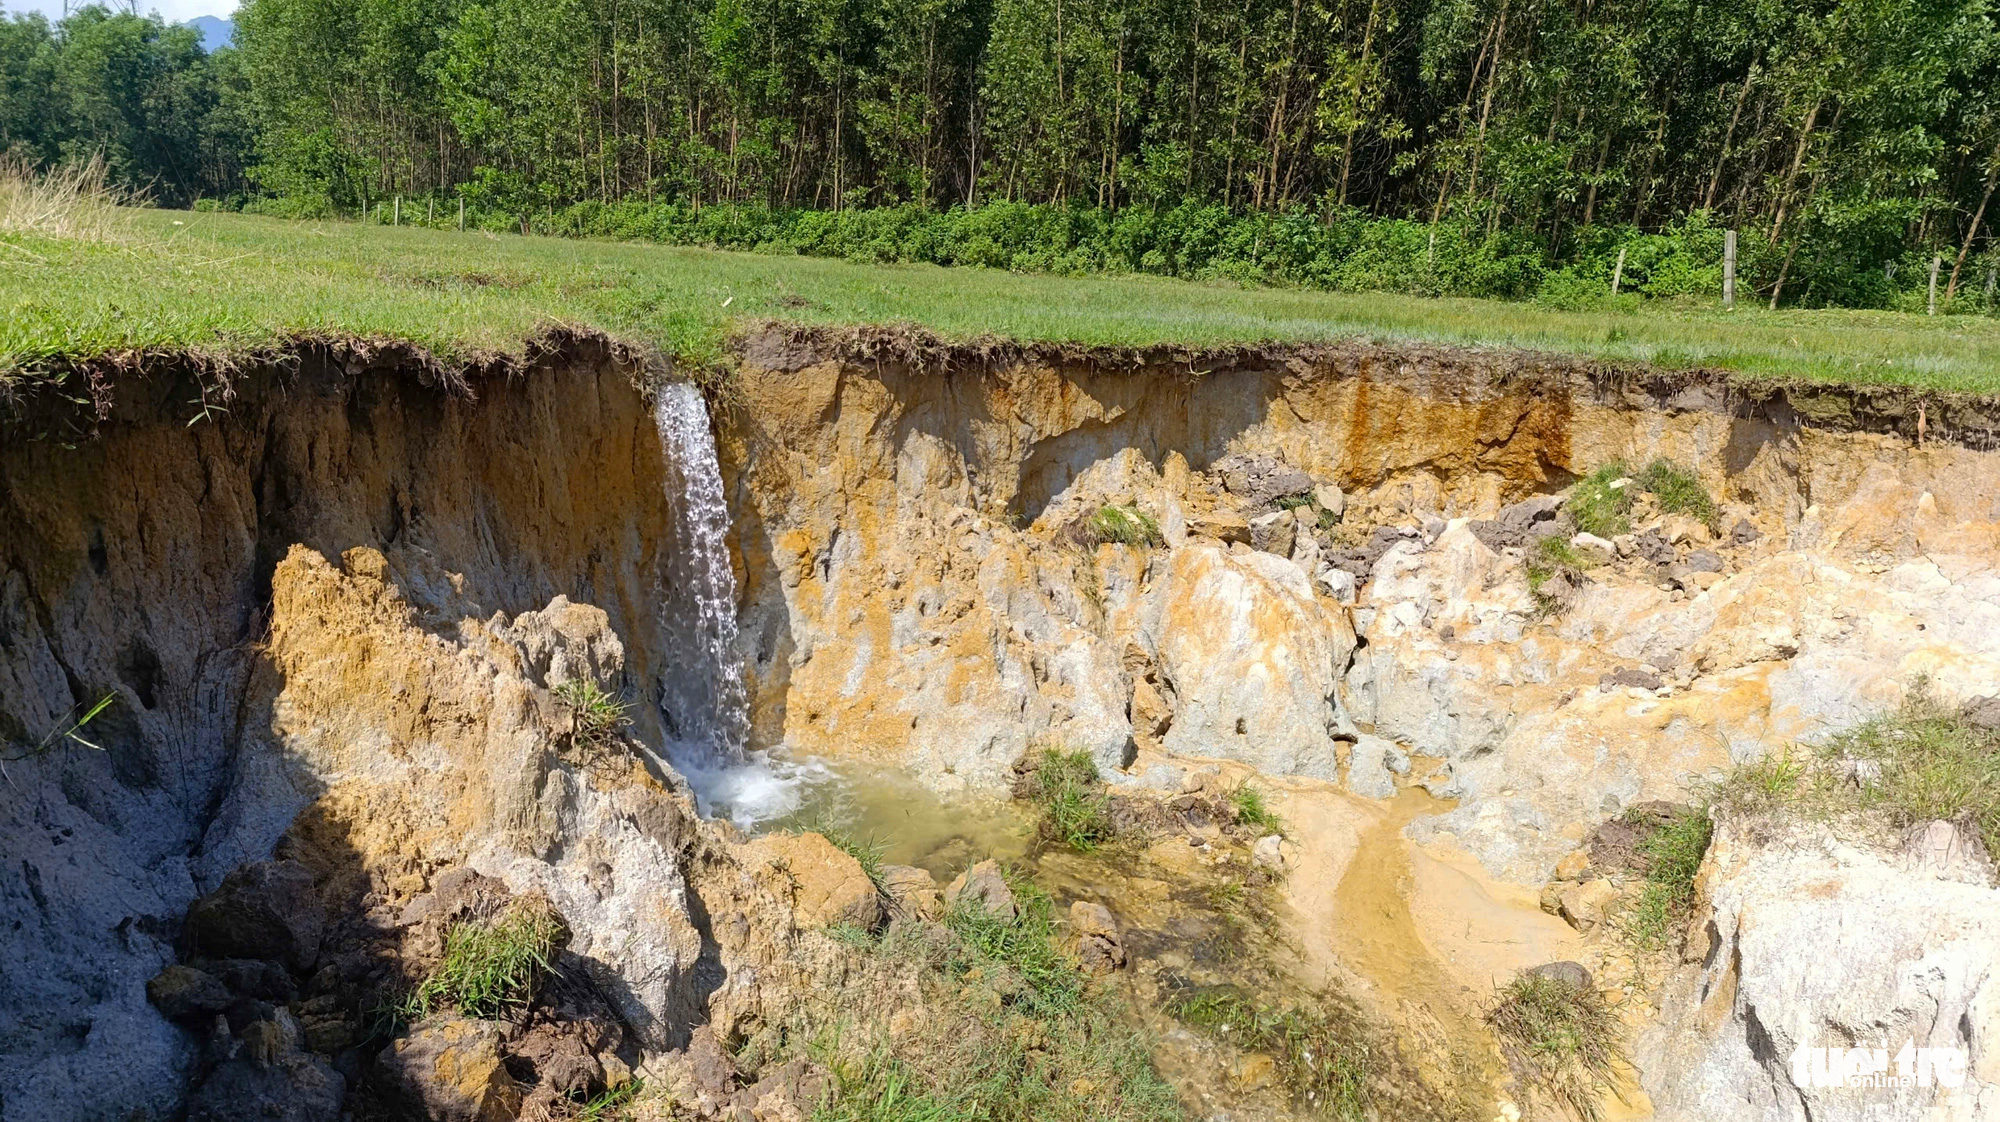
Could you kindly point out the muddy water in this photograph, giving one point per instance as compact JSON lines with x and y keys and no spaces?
{"x":909,"y":824}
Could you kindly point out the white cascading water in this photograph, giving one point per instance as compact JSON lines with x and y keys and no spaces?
{"x":703,"y":701}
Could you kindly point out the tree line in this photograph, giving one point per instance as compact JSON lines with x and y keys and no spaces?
{"x":1849,"y":141}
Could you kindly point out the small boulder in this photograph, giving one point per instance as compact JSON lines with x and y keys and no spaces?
{"x":450,"y":1069}
{"x":1261,"y":480}
{"x":1595,"y":544}
{"x":1339,"y":584}
{"x":297,"y":1088}
{"x":1984,"y":713}
{"x":561,"y":1058}
{"x":1704,"y":561}
{"x":1222,"y":525}
{"x":790,"y":1092}
{"x":1098,"y":945}
{"x":1088,"y":918}
{"x":1631,"y":676}
{"x":1368,"y":767}
{"x":1331,"y":499}
{"x":709,"y":1067}
{"x":267,"y":910}
{"x":1571,"y":974}
{"x":1268,"y":852}
{"x":251,"y":977}
{"x":829,"y":886}
{"x":1743,"y":533}
{"x":1274,"y":532}
{"x":912,"y":892}
{"x":984,"y":887}
{"x":1586,"y":905}
{"x":1652,"y":546}
{"x":182,"y":993}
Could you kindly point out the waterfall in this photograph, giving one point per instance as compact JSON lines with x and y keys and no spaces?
{"x":702,"y":698}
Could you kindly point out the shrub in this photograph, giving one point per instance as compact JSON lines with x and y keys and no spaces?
{"x":1075,"y":812}
{"x":1561,"y":1039}
{"x":491,"y":967}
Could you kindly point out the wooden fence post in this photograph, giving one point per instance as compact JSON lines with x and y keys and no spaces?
{"x":1618,"y":271}
{"x":396,"y":213}
{"x":461,"y":216}
{"x":1931,"y":308}
{"x":1729,"y":268}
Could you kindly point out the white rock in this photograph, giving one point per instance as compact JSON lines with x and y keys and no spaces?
{"x":1369,"y":767}
{"x":1813,"y":942}
{"x":1252,"y":656}
{"x":1268,"y":852}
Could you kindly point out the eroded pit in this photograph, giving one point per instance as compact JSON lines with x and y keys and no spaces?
{"x":392,"y":659}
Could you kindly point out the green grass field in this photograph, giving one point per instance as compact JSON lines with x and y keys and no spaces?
{"x":228,"y":284}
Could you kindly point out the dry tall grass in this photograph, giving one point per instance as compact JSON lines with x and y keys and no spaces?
{"x":72,"y":201}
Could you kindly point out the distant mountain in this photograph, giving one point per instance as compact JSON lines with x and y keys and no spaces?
{"x":215,"y":31}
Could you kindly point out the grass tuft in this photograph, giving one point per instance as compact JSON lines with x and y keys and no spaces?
{"x":1252,"y":811}
{"x":1074,"y":811}
{"x":1561,"y":1039}
{"x":491,"y":967}
{"x":1925,"y":761}
{"x":1126,"y":526}
{"x":1555,"y":572}
{"x":68,"y":203}
{"x":1601,"y":503}
{"x":599,"y":715}
{"x":1673,"y":856}
{"x":1678,"y":491}
{"x":1023,"y":950}
{"x":868,"y":851}
{"x":1321,"y":1051}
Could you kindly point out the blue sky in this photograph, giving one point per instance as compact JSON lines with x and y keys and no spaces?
{"x":171,"y":9}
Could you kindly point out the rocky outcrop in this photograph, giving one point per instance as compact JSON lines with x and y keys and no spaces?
{"x":1807,"y":941}
{"x":1253,"y":657}
{"x":452,"y":1070}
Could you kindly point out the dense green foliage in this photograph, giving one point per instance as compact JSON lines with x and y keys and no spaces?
{"x":1476,"y":147}
{"x":167,"y":117}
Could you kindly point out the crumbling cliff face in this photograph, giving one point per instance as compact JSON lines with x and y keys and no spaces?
{"x":335,"y":622}
{"x":276,"y":598}
{"x":922,"y":582}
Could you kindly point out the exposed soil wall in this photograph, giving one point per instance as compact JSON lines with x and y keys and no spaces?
{"x":139,"y":562}
{"x":345,"y":522}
